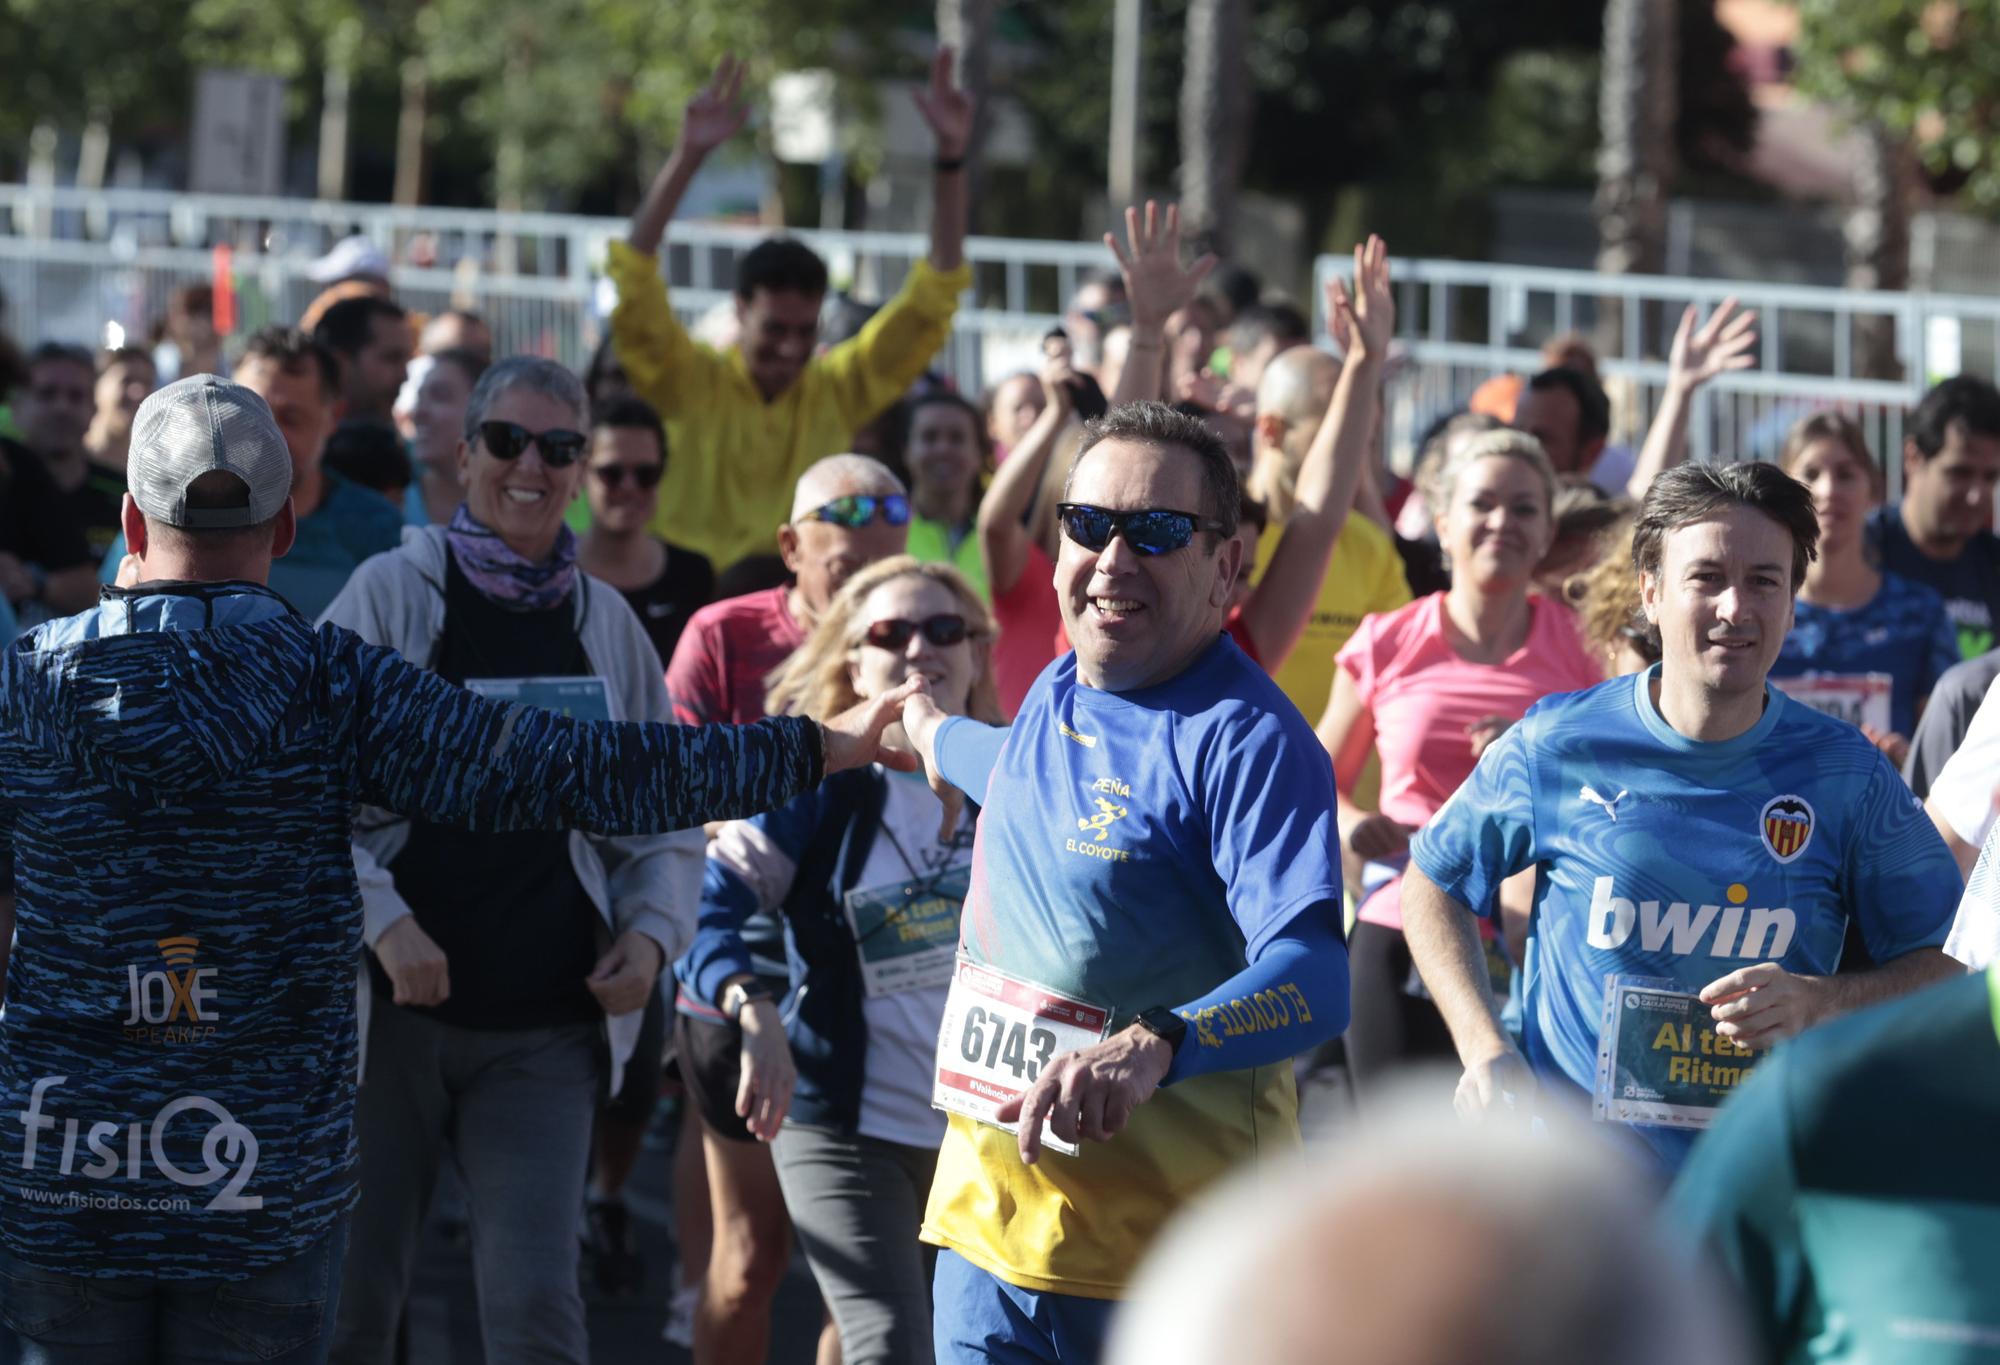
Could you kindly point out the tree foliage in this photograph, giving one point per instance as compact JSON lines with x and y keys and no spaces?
{"x":1927,"y":72}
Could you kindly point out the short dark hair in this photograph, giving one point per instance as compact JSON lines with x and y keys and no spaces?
{"x":1964,"y":399}
{"x":1156,"y":424}
{"x":1262,"y":322}
{"x":1690,"y":493}
{"x":948,"y":398}
{"x":348,"y":326}
{"x":369,"y":453}
{"x":61,"y":353}
{"x":292,"y":351}
{"x":1592,"y":406}
{"x":781,"y":265}
{"x":471,"y":364}
{"x":217,"y":490}
{"x":631,"y":414}
{"x":125,"y":355}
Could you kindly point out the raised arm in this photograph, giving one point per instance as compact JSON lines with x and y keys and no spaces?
{"x":1363,"y":323}
{"x":949,"y":111}
{"x":1721,"y":344}
{"x":1006,"y":512}
{"x":712,"y":117}
{"x":1156,"y":286}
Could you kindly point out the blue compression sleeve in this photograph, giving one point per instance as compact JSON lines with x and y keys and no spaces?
{"x":967,"y":752}
{"x":1292,"y":997}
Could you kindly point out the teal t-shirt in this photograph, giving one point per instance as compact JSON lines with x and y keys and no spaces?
{"x":348,"y":526}
{"x":1850,"y":1189}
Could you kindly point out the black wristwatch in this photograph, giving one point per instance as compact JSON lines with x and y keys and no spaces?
{"x":1162,"y":1022}
{"x":736,"y":995}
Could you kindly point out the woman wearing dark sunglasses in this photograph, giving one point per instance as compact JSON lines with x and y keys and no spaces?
{"x":665,"y":584}
{"x":837,"y":1078}
{"x":501,"y":965}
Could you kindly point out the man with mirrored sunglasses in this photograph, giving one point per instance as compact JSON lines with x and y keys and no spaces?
{"x":1157,"y":877}
{"x":746,"y":422}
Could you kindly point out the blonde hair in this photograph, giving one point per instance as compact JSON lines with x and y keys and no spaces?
{"x":814,"y":680}
{"x":1839,"y":428}
{"x":1506,"y":443}
{"x":1606,"y":599}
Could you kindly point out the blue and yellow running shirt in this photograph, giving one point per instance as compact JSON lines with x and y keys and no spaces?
{"x":1663,"y":856}
{"x":1136,"y":849}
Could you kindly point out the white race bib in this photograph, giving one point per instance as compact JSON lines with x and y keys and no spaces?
{"x":578,"y":698}
{"x":999,"y":1034}
{"x":1857,"y":698}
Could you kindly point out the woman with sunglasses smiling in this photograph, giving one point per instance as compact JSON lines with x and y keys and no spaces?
{"x":665,"y":584}
{"x":870,"y":898}
{"x":498,"y":964}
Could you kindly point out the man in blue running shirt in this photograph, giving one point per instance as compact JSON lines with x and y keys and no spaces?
{"x":1694,"y":829}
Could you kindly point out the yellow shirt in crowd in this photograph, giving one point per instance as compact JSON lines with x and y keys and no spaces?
{"x":1365,"y":576}
{"x":732,"y":458}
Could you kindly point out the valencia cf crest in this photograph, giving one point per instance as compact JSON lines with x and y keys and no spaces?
{"x":1787,"y":823}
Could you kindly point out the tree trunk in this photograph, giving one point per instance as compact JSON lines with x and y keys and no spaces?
{"x":1128,"y":33}
{"x":334,"y":94}
{"x":1635,"y":159}
{"x":1215,"y":122}
{"x":966,"y":27}
{"x":412,"y":135}
{"x":1877,"y":233}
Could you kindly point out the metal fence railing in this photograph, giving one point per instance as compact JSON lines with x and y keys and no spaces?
{"x":72,"y":261}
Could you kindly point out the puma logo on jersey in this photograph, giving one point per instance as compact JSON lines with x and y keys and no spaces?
{"x":1687,"y":930}
{"x":1589,"y":793}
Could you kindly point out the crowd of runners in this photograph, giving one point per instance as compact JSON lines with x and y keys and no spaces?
{"x":965,"y":822}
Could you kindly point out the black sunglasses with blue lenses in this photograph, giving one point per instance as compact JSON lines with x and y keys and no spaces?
{"x":506,"y":441}
{"x":858,"y":510}
{"x":1149,"y":531}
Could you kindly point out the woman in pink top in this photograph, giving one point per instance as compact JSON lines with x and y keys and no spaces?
{"x":1428,"y":687}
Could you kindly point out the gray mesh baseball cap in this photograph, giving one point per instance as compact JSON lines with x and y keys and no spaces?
{"x":196,"y":426}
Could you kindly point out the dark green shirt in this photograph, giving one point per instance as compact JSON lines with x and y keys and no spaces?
{"x":1853,"y":1188}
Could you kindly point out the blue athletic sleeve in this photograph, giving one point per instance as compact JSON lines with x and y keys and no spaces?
{"x":750,"y":868}
{"x":424,"y":747}
{"x":1292,"y":997}
{"x":967,"y":752}
{"x":1941,"y":650}
{"x":1903,"y":883}
{"x":1268,"y":791}
{"x":1486,"y":832}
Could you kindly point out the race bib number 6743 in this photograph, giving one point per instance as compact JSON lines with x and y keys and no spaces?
{"x":998,"y":1035}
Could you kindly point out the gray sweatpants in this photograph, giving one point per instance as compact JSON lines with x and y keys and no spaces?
{"x":857,"y":1203}
{"x":513,"y":1112}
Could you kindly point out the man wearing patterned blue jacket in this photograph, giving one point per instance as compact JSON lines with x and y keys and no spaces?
{"x":178,"y":769}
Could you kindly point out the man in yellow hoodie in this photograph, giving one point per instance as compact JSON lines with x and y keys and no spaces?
{"x":745,"y":422}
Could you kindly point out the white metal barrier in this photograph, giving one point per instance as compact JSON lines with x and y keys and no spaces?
{"x":71,"y":261}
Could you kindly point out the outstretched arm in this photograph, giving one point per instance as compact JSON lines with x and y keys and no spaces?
{"x":1157,"y":286}
{"x":712,"y":117}
{"x":1282,"y":604}
{"x":1699,"y":354}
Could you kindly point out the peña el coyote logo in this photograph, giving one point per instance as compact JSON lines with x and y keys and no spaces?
{"x":1786,"y":824}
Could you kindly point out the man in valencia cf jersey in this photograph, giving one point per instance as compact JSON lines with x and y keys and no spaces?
{"x":1702,"y":843}
{"x":1152,"y":930}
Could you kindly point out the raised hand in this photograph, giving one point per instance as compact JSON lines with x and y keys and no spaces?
{"x":718,"y":111}
{"x":947,"y":109}
{"x":1721,"y":344}
{"x":1363,"y":321}
{"x":1156,"y":284}
{"x":854,"y":737}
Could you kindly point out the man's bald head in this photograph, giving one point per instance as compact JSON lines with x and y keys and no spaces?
{"x":842,"y":476}
{"x":1414,"y":1241}
{"x":1292,"y":398}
